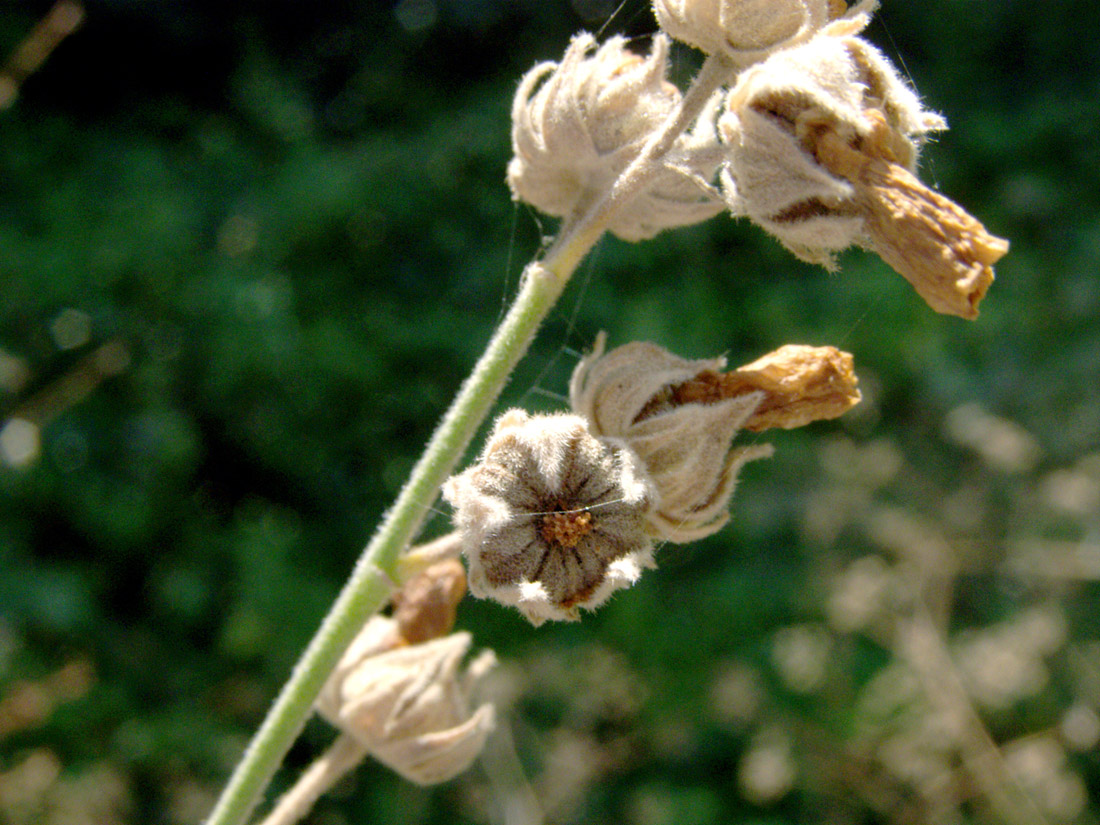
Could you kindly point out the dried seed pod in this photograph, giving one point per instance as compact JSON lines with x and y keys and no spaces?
{"x":822,"y":141}
{"x":576,"y":125}
{"x":425,"y":607}
{"x":746,"y":31}
{"x":680,"y":416}
{"x":410,"y":704}
{"x":552,"y":518}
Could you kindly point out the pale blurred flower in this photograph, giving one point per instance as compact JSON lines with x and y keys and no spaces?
{"x":410,"y":704}
{"x":745,"y":31}
{"x":1003,"y":663}
{"x":859,"y":594}
{"x":892,"y":694}
{"x":997,"y":673}
{"x":801,"y":655}
{"x":1002,"y":444}
{"x":552,"y":518}
{"x":1038,"y":764}
{"x":20,"y":442}
{"x":736,"y":694}
{"x":1041,"y":629}
{"x":871,"y":465}
{"x":1074,"y":492}
{"x":1080,"y":727}
{"x":767,"y":771}
{"x":915,"y":759}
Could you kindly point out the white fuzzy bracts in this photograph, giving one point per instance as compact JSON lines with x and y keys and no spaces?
{"x":577,"y":124}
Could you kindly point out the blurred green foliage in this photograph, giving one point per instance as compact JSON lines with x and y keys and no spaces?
{"x":292,"y":221}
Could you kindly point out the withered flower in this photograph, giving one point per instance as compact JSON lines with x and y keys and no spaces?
{"x":801,"y":384}
{"x":552,"y":518}
{"x":577,"y":124}
{"x":409,"y":704}
{"x":681,"y":416}
{"x":823,"y":140}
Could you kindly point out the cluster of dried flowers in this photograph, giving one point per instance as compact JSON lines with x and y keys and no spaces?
{"x":815,"y":138}
{"x":560,"y":511}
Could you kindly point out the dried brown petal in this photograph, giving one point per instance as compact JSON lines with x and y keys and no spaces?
{"x":801,"y":384}
{"x":945,"y":253}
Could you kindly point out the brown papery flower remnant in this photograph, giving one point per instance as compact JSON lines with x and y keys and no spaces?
{"x":425,"y":607}
{"x":945,"y":253}
{"x":801,"y":384}
{"x":823,"y":141}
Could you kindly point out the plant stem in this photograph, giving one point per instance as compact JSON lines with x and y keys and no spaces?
{"x":923,"y":648}
{"x":373,"y":578}
{"x":344,"y":754}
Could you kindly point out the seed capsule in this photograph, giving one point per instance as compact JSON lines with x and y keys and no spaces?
{"x":553,"y":519}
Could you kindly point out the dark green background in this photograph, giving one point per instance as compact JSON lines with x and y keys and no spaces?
{"x":294,"y":217}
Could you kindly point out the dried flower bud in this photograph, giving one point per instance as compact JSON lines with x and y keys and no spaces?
{"x":682,"y":192}
{"x":822,"y":141}
{"x":746,"y":31}
{"x":574,"y":134}
{"x":425,"y":607}
{"x":686,"y":447}
{"x":409,"y":705}
{"x":552,"y":518}
{"x":681,"y":416}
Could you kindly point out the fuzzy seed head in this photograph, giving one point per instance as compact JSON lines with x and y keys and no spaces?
{"x":552,"y":518}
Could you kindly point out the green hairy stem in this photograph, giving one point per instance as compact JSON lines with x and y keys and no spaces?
{"x":376,"y":573}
